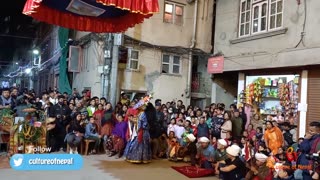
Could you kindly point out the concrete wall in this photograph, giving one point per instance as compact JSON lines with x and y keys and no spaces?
{"x":89,"y":76}
{"x":149,"y":77}
{"x":205,"y":80}
{"x":156,"y":31}
{"x":268,"y":52}
{"x":220,"y":95}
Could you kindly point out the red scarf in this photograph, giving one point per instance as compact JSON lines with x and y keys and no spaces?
{"x":247,"y":152}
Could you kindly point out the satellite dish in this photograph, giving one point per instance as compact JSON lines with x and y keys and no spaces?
{"x":190,"y":1}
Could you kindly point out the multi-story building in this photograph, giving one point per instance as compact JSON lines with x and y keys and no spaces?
{"x":46,"y":75}
{"x":273,"y":40}
{"x":157,"y":55}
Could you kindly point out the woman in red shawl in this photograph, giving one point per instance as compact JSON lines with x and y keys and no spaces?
{"x":107,"y":121}
{"x":98,"y":115}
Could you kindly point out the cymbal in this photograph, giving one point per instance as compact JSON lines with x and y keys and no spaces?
{"x":29,"y":110}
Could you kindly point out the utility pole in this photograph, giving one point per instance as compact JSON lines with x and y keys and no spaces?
{"x":106,"y":66}
{"x":118,"y":41}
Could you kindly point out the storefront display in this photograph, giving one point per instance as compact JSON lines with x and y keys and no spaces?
{"x":275,"y":96}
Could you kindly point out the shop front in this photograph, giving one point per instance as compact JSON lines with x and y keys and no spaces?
{"x":272,"y":97}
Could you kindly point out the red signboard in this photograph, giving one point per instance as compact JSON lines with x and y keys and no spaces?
{"x":215,"y":65}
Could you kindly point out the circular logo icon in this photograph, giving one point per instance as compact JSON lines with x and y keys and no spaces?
{"x":16,"y":161}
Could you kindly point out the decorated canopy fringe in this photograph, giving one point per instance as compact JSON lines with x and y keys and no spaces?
{"x":92,"y":15}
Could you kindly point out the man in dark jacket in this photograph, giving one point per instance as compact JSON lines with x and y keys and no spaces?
{"x":6,"y":101}
{"x":309,"y":146}
{"x":156,"y":127}
{"x":160,"y":117}
{"x":61,"y":112}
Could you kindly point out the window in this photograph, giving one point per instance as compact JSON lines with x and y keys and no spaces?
{"x":173,"y":13}
{"x":276,"y":14}
{"x":133,"y":59}
{"x":258,"y":16}
{"x":171,"y":64}
{"x":245,"y":19}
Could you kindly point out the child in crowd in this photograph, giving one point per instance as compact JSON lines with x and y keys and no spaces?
{"x":91,"y":132}
{"x":259,"y":132}
{"x":214,"y":142}
{"x":172,"y":126}
{"x":171,"y":136}
{"x":187,"y":130}
{"x":256,"y":143}
{"x":194,"y":126}
{"x":263,"y":149}
{"x":179,"y":130}
{"x":173,"y":149}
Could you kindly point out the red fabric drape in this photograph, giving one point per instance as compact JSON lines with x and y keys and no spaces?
{"x":30,"y":6}
{"x":139,"y":10}
{"x":134,"y":6}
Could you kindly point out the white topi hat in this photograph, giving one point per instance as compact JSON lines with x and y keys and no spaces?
{"x":233,"y":150}
{"x":261,"y":157}
{"x":223,"y":142}
{"x":191,"y":137}
{"x":204,"y":139}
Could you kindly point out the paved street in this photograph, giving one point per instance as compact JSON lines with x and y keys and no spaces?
{"x":100,"y":167}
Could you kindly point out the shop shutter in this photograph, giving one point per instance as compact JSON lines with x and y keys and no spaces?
{"x":313,"y":98}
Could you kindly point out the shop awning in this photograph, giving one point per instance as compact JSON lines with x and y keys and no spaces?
{"x":92,"y":15}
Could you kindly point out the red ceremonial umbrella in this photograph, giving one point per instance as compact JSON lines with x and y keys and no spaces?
{"x":92,"y":15}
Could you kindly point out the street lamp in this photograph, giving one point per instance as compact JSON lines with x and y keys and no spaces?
{"x":17,"y":63}
{"x":27,"y":71}
{"x":35,"y":52}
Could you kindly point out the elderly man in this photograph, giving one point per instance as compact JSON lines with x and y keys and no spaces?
{"x":261,"y":170}
{"x":190,"y":151}
{"x":205,"y":153}
{"x":232,"y":168}
{"x":220,"y":154}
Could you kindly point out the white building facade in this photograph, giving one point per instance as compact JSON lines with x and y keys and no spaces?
{"x":273,"y":39}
